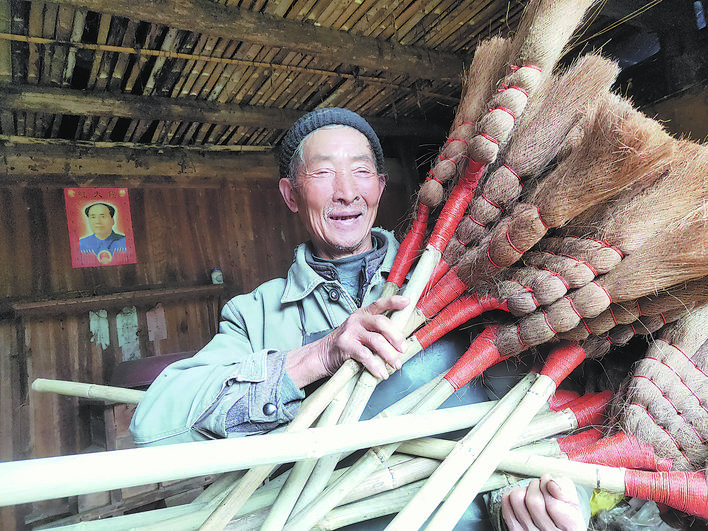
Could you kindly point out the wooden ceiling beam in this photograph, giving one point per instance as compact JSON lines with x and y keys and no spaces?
{"x":68,"y":163}
{"x":61,"y":163}
{"x":53,"y":100}
{"x":211,"y":18}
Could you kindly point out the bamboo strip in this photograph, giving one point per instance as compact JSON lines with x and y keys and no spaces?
{"x":309,"y":516}
{"x":302,"y":470}
{"x":463,"y":455}
{"x":53,"y":477}
{"x":560,"y":362}
{"x":85,"y":390}
{"x":404,"y":405}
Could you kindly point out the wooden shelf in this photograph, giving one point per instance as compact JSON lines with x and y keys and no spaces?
{"x":127,"y":298}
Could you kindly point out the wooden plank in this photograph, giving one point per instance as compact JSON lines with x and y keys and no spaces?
{"x":141,"y":60}
{"x":170,"y":81}
{"x":103,"y":29}
{"x":49,"y":23}
{"x":119,"y":70}
{"x":77,"y":31}
{"x":126,"y":298}
{"x":169,"y":43}
{"x":5,"y":46}
{"x":64,"y":25}
{"x":34,"y":29}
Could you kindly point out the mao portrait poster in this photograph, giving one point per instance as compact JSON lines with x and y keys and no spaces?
{"x":100,"y":230}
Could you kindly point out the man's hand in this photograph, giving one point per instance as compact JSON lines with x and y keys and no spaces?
{"x":367,"y":336}
{"x":545,"y":504}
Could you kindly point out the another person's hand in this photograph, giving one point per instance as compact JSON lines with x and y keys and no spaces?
{"x":549,"y":503}
{"x":367,"y":336}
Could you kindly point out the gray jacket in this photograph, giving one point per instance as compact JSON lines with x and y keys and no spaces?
{"x":244,"y":363}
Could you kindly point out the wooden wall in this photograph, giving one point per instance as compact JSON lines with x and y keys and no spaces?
{"x":48,"y":330}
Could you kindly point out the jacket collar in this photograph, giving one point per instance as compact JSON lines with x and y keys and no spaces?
{"x":305,"y":275}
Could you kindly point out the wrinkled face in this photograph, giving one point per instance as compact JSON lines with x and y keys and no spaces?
{"x":337,"y":191}
{"x":100,"y":221}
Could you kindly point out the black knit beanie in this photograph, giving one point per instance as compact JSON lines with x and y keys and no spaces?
{"x":319,"y":118}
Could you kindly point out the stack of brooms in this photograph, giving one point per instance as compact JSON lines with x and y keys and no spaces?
{"x":582,"y":224}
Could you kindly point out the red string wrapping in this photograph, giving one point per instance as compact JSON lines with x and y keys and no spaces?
{"x":410,"y":247}
{"x":455,"y":206}
{"x":440,"y":271}
{"x":561,"y":397}
{"x":561,"y":362}
{"x":579,"y":440}
{"x":480,"y":355}
{"x":589,"y":409}
{"x":685,"y":491}
{"x":452,"y":316}
{"x":443,"y":293}
{"x":619,"y":450}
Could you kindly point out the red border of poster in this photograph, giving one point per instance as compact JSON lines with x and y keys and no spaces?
{"x":90,"y":245}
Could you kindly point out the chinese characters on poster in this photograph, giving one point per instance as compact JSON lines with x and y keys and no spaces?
{"x":100,"y":229}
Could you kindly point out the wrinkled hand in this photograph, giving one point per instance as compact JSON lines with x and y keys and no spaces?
{"x":545,"y":504}
{"x":367,"y":336}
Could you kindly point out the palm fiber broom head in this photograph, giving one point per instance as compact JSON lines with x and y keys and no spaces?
{"x":665,"y":401}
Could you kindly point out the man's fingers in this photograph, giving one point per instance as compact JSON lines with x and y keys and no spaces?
{"x":371,"y":362}
{"x":381,"y":306}
{"x":535,"y":502}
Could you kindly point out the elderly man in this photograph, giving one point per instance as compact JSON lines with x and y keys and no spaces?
{"x":292,"y":332}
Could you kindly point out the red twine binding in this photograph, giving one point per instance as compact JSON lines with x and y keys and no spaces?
{"x":561,"y":362}
{"x":481,"y":354}
{"x":685,"y":491}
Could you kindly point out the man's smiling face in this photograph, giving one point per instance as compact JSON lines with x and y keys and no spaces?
{"x":338,"y":191}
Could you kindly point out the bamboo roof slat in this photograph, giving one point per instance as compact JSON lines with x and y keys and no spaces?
{"x":169,"y":43}
{"x":123,"y":59}
{"x":207,"y":72}
{"x":102,"y":38}
{"x":36,"y":17}
{"x":217,"y":71}
{"x":273,"y":54}
{"x":193,"y":67}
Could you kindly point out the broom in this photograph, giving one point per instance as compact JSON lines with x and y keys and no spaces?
{"x":556,"y":267}
{"x":667,"y":261}
{"x":665,"y":401}
{"x":480,"y":81}
{"x":481,"y":449}
{"x":535,"y":142}
{"x":682,"y":297}
{"x":545,"y":28}
{"x":620,"y":147}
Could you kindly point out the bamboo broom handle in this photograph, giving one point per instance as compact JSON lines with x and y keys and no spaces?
{"x":365,"y":466}
{"x":477,"y":358}
{"x":455,"y":314}
{"x":559,"y":364}
{"x":440,"y":482}
{"x":685,"y":491}
{"x":301,"y":471}
{"x":86,"y":390}
{"x":54,"y":477}
{"x":300,"y":496}
{"x":311,"y":408}
{"x":389,"y":503}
